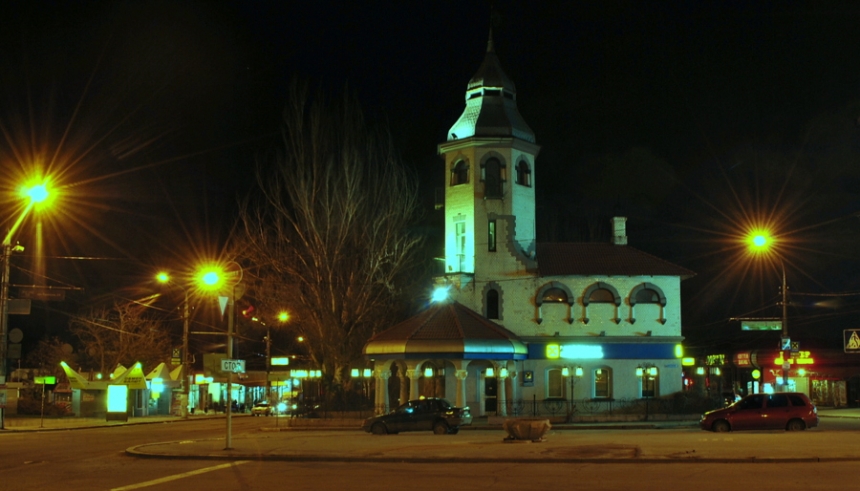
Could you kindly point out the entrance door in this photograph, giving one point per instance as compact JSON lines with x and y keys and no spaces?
{"x":490,"y":394}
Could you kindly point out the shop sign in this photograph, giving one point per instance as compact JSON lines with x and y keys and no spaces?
{"x":742,"y":359}
{"x":716,"y":360}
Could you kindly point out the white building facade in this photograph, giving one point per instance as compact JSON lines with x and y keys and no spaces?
{"x":527,"y":322}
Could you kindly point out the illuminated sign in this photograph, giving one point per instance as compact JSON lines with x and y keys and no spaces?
{"x":716,"y":360}
{"x":688,"y":361}
{"x":117,"y":398}
{"x":281,"y":360}
{"x":742,"y":359}
{"x":771,"y":325}
{"x":802,"y":358}
{"x":575,"y":351}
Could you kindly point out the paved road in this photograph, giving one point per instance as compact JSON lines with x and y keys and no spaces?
{"x":663,"y":443}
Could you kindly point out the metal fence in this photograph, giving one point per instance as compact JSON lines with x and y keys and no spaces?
{"x":573,"y":410}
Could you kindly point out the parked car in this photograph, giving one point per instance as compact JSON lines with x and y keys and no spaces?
{"x":791,"y":411}
{"x":427,"y":414}
{"x":261,"y":409}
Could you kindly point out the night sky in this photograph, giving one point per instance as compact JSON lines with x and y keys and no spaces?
{"x":693,"y":119}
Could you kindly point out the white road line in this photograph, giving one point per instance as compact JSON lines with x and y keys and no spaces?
{"x":179,"y":476}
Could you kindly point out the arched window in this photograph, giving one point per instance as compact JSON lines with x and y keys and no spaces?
{"x":459,"y":173}
{"x":492,"y":304}
{"x":524,"y":174}
{"x":492,"y":173}
{"x":602,"y":383}
{"x":646,"y":295}
{"x":601,"y":295}
{"x":554,"y":295}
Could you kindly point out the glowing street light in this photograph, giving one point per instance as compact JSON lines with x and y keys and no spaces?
{"x":761,"y":242}
{"x":33,"y":195}
{"x":215,"y":278}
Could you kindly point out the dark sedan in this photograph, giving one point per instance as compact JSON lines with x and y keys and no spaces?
{"x":427,"y":414}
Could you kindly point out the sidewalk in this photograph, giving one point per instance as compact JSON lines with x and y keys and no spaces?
{"x":650,"y":443}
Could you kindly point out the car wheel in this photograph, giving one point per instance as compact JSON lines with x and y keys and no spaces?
{"x":453,"y":431}
{"x":795,"y":425}
{"x":721,"y":426}
{"x":440,"y":428}
{"x":379,"y":429}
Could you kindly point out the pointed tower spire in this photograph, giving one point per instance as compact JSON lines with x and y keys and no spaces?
{"x":491,"y":104}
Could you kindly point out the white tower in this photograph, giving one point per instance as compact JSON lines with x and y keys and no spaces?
{"x":490,"y":178}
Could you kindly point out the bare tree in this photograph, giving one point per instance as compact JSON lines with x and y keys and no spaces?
{"x":120,"y":334}
{"x":48,"y":355}
{"x":330,"y":232}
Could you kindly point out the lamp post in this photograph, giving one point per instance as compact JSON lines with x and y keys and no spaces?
{"x":647,"y":375}
{"x":760,"y":242}
{"x":577,"y":373}
{"x":224,"y":280}
{"x":34,"y":195}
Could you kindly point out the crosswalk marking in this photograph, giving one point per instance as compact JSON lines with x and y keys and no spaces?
{"x":179,"y":476}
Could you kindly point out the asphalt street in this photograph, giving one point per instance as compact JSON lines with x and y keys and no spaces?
{"x":663,"y":442}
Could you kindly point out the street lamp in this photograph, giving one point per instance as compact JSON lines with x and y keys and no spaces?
{"x":223,"y":280}
{"x":760,"y":242}
{"x":648,"y":376}
{"x":282,"y":318}
{"x":34,"y":196}
{"x":186,"y":373}
{"x":577,"y":373}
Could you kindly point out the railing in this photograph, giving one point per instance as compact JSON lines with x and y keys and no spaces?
{"x":677,"y":405}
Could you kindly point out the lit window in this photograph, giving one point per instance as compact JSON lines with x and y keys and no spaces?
{"x":554,"y":295}
{"x":602,"y":383}
{"x":554,"y":383}
{"x":491,"y":236}
{"x":649,"y":382}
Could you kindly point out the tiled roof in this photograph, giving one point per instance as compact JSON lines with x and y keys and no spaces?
{"x":602,"y":259}
{"x":447,"y":328}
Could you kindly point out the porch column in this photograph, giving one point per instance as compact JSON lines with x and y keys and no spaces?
{"x":404,"y":388}
{"x":382,"y":391}
{"x":461,"y":387}
{"x":501,"y":403}
{"x":412,"y":373}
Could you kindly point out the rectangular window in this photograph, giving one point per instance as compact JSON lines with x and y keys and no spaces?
{"x":460,"y":242}
{"x":491,"y":236}
{"x":650,"y":383}
{"x":554,"y":384}
{"x":602,"y":383}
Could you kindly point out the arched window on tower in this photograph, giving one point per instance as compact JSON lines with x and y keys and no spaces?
{"x":524,"y":174}
{"x":493,"y":178}
{"x":459,"y":173}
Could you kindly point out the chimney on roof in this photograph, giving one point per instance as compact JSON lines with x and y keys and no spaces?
{"x":619,"y":230}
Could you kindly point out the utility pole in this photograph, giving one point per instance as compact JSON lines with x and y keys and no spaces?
{"x":268,"y":364}
{"x":786,"y":352}
{"x":186,"y":373}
